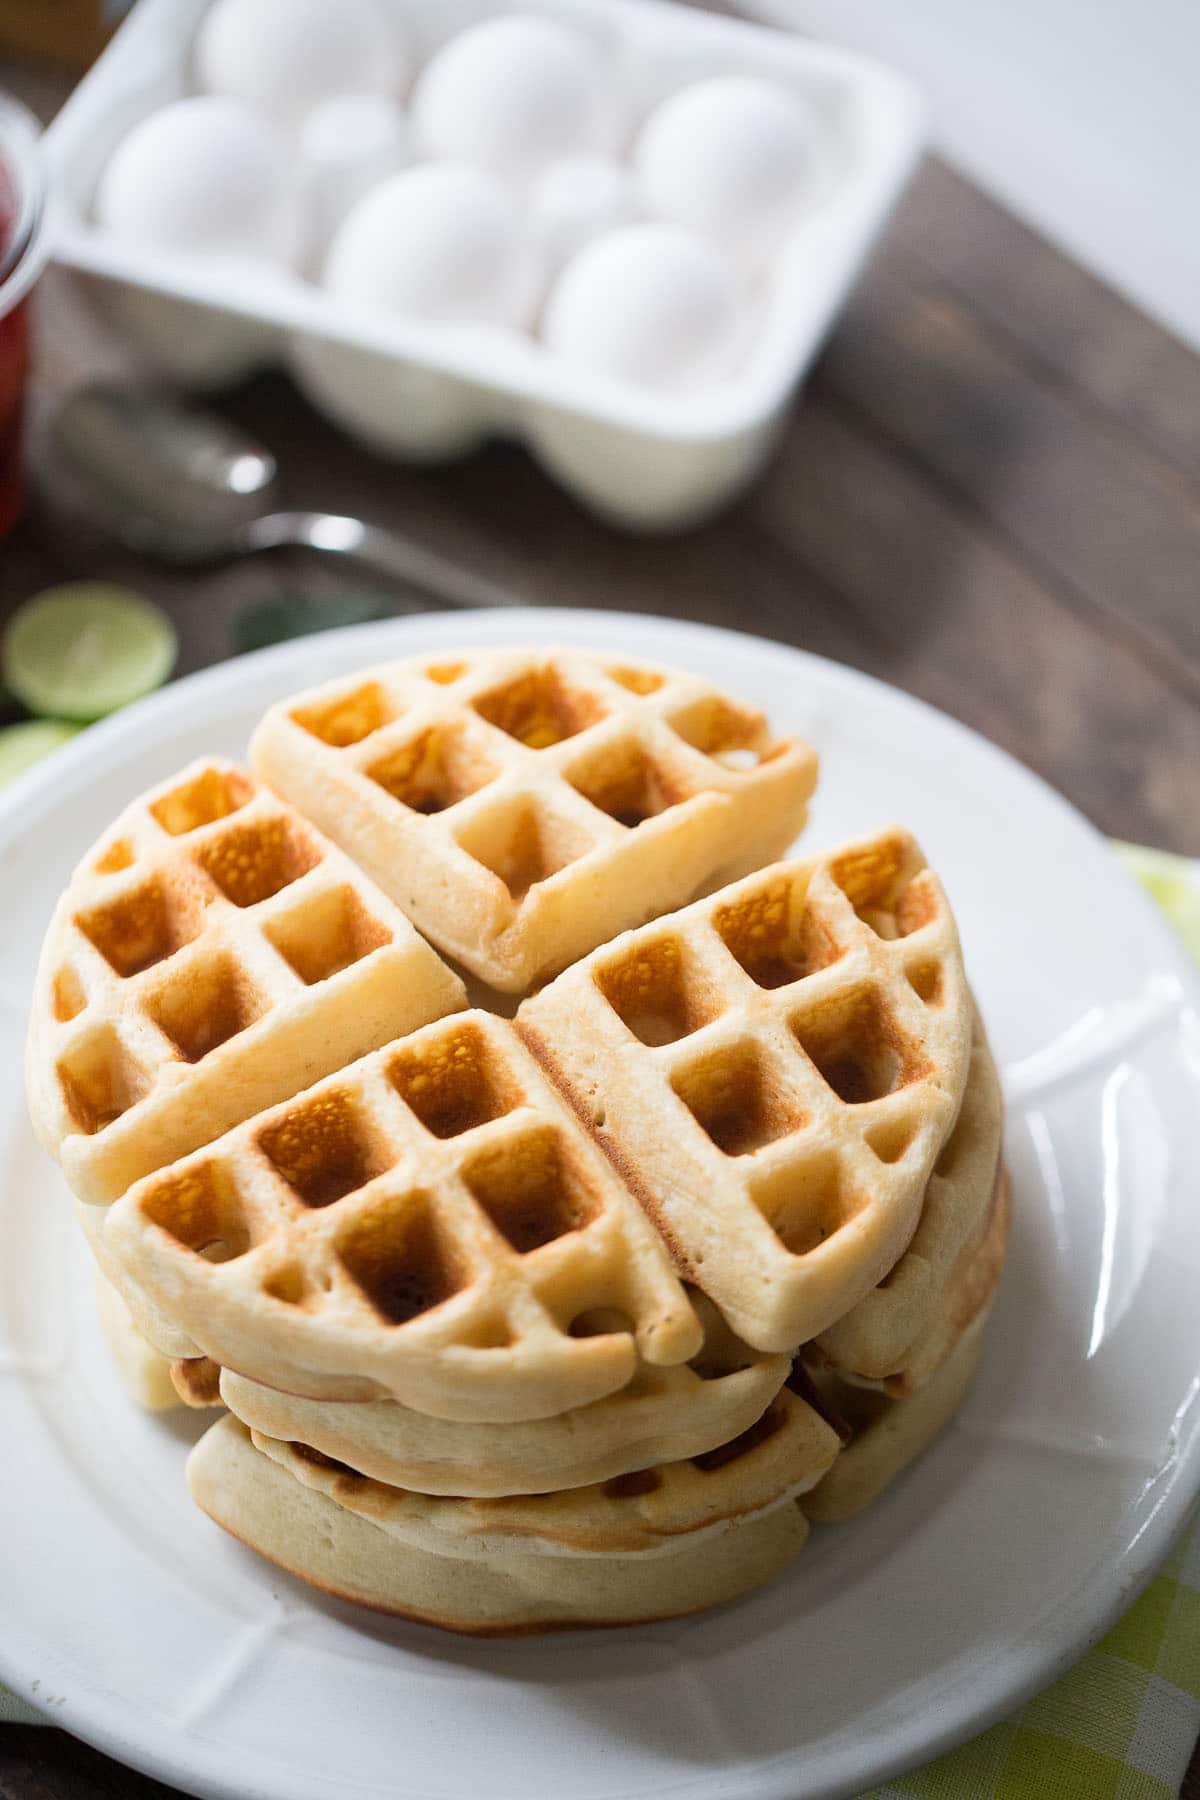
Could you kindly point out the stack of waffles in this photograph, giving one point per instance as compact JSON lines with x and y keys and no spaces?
{"x":577,"y":1316}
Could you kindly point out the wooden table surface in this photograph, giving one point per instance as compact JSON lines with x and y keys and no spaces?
{"x":988,"y":494}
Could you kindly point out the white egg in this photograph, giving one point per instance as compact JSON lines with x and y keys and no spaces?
{"x":348,"y":145}
{"x":575,"y":200}
{"x":512,"y":94}
{"x":395,"y":406}
{"x":734,"y":156}
{"x":287,"y":55}
{"x":204,"y":177}
{"x":436,"y":242}
{"x":649,"y":303}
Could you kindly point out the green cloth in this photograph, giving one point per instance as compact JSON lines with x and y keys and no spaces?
{"x":1121,"y":1725}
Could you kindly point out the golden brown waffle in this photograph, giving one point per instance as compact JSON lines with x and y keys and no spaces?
{"x":164,"y":1337}
{"x":523,"y":806}
{"x":663,"y":1415}
{"x":650,"y":1512}
{"x":211,"y":955}
{"x":774,"y":1070}
{"x":389,"y":1235}
{"x":282,"y":1505}
{"x":429,"y":1224}
{"x":883,"y":1425}
{"x":882,"y":1336}
{"x":967,"y":1293}
{"x":145,"y":1374}
{"x":887,"y":1434}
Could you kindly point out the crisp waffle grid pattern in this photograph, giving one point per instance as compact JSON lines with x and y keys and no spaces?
{"x":774,"y":1070}
{"x":524,"y":806}
{"x":662,"y":1415}
{"x":212,"y":954}
{"x":656,"y":1510}
{"x":880,"y":1336}
{"x":429,"y":1223}
{"x":966,"y":1297}
{"x":848,"y":1400}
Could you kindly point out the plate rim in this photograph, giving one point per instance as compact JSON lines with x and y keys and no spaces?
{"x":1028,"y":1662}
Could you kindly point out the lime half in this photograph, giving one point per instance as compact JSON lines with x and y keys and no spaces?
{"x":23,"y":745}
{"x":83,"y":650}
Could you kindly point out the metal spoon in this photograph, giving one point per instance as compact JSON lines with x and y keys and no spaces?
{"x":189,"y":488}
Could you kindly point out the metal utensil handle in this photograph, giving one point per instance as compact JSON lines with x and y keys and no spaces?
{"x":436,"y":575}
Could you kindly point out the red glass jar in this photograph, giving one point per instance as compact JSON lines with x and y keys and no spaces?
{"x":22,"y":255}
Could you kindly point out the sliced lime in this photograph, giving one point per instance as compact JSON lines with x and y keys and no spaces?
{"x":1174,"y":883}
{"x":274,"y":621}
{"x":83,"y":650}
{"x":23,"y":745}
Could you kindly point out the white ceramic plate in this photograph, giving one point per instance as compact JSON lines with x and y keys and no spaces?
{"x":136,"y":1624}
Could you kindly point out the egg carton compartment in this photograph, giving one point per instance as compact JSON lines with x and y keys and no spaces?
{"x":643,"y":450}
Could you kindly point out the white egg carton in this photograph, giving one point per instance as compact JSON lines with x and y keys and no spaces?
{"x":433,"y":391}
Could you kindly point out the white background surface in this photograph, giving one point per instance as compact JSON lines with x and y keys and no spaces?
{"x":135,"y":1623}
{"x":1082,"y":115}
